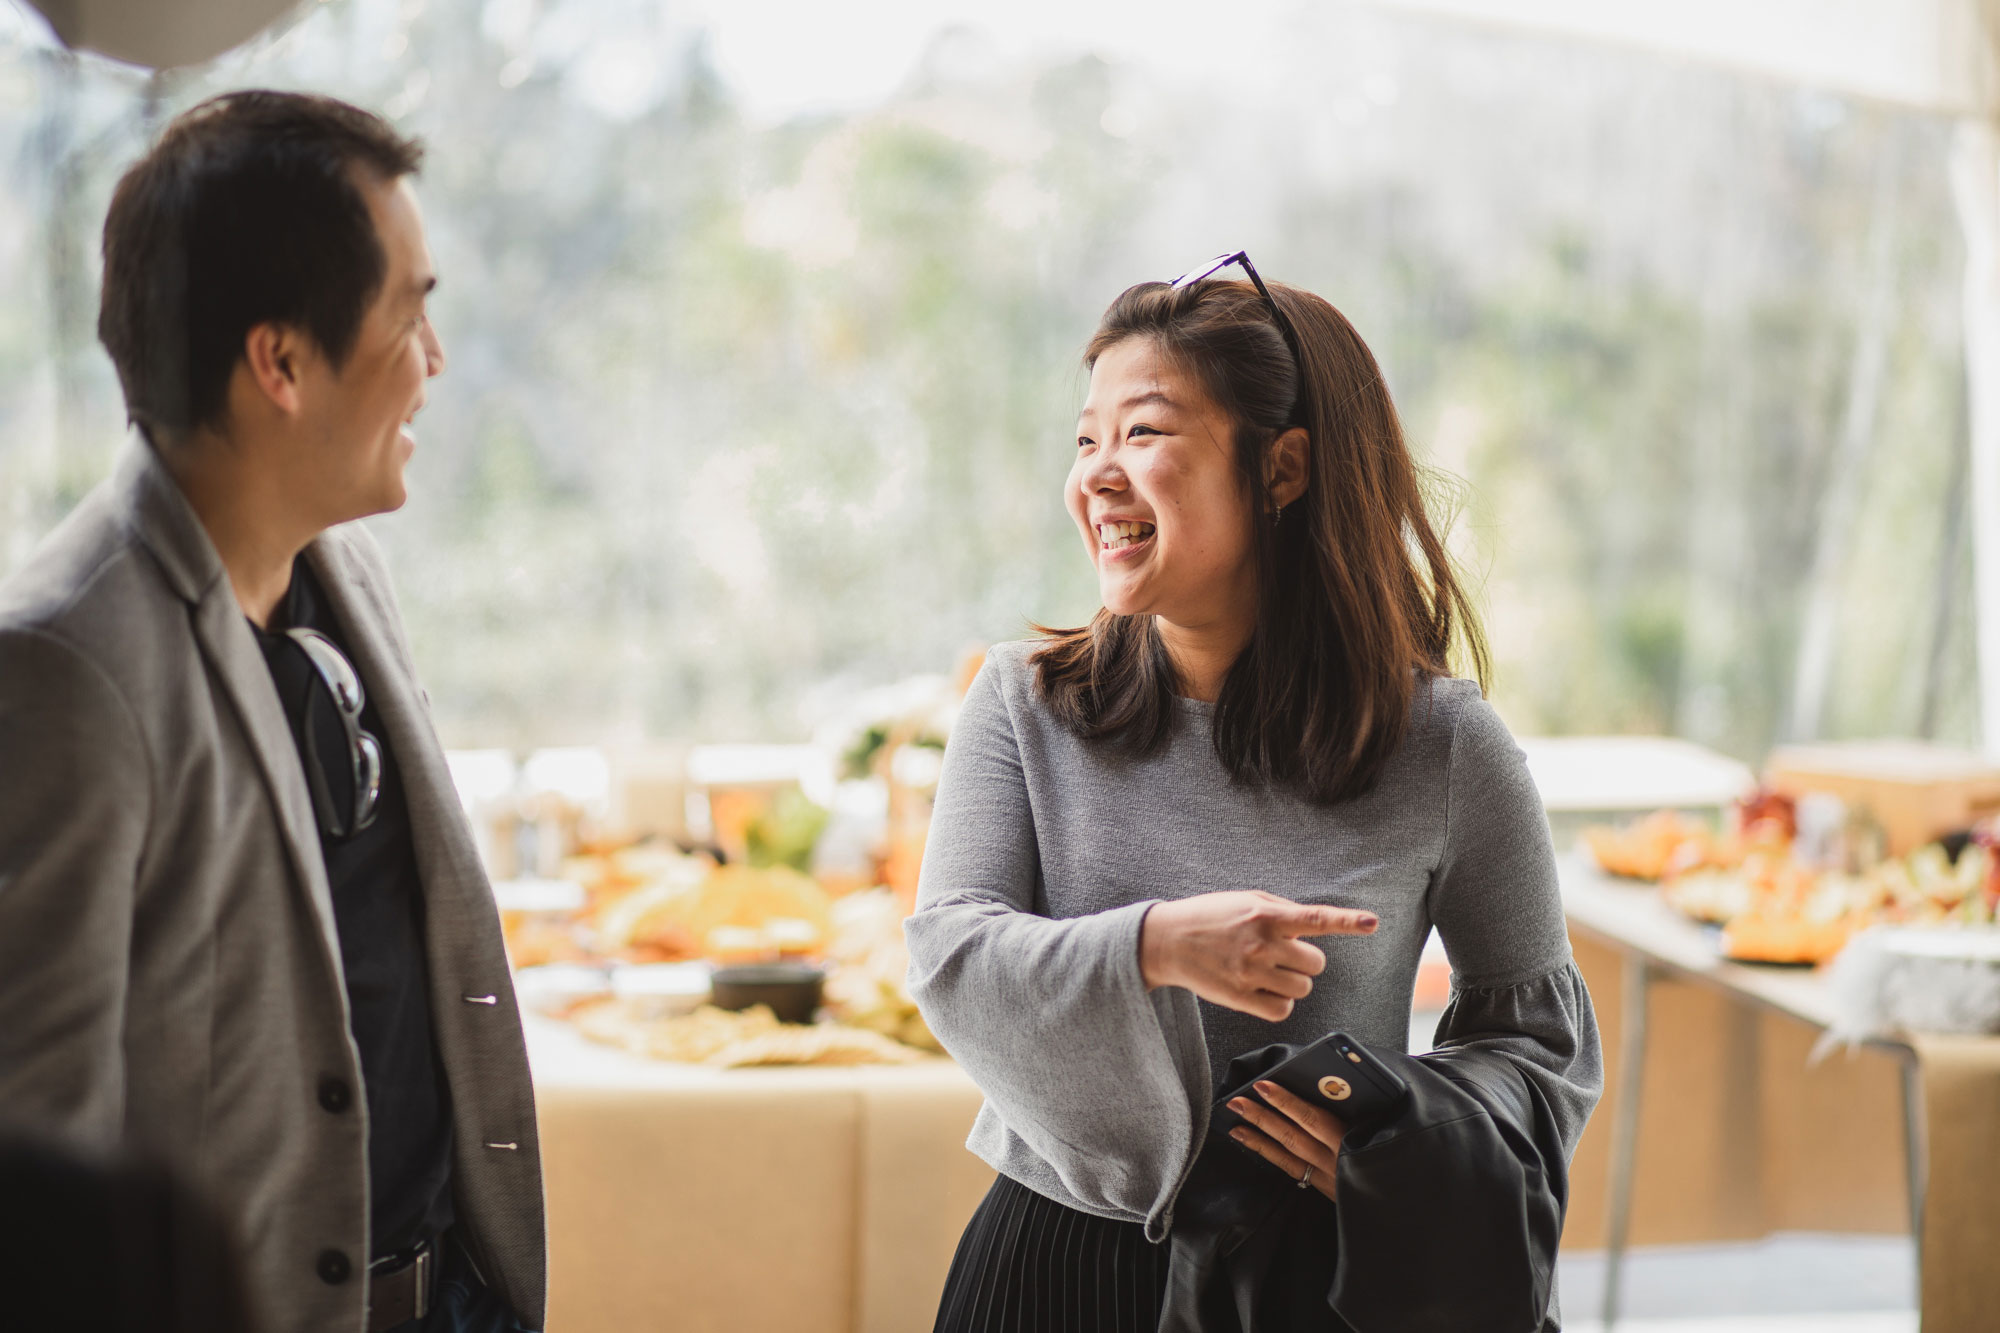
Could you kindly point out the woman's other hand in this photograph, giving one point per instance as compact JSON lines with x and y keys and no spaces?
{"x":1291,"y":1135}
{"x":1242,"y":949}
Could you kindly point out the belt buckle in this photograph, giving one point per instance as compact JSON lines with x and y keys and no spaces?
{"x":425,"y":1256}
{"x":415,"y":1271}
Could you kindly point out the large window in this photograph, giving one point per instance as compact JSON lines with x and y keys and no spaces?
{"x":764,"y":341}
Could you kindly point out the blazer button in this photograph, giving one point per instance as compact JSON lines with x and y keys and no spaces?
{"x":333,"y":1267}
{"x":334,"y":1094}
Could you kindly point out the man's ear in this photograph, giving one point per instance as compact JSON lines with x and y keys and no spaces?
{"x":1287,"y":466}
{"x":275,"y":355}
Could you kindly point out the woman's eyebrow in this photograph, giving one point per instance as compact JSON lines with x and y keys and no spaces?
{"x":1150,"y":398}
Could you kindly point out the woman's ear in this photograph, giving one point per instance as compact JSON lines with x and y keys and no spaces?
{"x":1286,"y":467}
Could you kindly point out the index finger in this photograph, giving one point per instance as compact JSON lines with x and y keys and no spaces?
{"x":1301,"y":919}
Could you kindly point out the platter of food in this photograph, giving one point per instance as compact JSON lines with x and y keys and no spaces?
{"x":626,"y":946}
{"x":1790,"y":880}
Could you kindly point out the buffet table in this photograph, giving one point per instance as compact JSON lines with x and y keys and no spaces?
{"x":830,"y":1200}
{"x":1717,"y":1123}
{"x":807,"y":1200}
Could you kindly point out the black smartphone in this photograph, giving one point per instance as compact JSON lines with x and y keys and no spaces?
{"x":1335,"y":1073}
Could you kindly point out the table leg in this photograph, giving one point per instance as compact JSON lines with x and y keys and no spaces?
{"x":1635,"y":976}
{"x":1913,"y":1156}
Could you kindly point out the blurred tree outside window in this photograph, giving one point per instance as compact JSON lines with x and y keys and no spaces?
{"x":747,"y":407}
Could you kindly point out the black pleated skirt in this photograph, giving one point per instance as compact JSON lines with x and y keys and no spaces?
{"x":1027,"y":1264}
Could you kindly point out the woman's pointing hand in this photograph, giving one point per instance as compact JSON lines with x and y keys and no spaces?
{"x":1244,"y":950}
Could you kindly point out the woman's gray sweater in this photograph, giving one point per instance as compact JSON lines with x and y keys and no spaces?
{"x":1046,"y":852}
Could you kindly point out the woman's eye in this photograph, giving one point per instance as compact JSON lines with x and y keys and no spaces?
{"x":1084,"y":441}
{"x":1140,"y":430}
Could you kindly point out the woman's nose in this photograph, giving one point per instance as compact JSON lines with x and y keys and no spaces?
{"x":1102,"y":473}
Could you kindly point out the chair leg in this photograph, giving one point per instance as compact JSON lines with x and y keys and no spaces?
{"x":1636,"y":978}
{"x":1913,"y":1157}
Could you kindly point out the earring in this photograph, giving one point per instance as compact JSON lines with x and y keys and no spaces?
{"x":1278,"y":516}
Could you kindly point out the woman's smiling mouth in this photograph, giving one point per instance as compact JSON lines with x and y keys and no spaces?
{"x":1118,"y":538}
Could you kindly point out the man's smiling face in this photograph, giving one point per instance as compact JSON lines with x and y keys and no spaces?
{"x":1156,"y":495}
{"x":361,"y":437}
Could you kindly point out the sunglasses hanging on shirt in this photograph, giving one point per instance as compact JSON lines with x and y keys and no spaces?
{"x":363,"y":759}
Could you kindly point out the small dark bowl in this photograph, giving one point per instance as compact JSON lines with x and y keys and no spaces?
{"x":791,"y":989}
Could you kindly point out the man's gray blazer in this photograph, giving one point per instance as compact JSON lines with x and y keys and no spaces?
{"x":170,"y":979}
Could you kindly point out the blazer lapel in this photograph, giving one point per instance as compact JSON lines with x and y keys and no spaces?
{"x":165,"y":521}
{"x":445,"y":855}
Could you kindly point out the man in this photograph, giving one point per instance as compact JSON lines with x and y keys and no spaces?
{"x":243,"y":929}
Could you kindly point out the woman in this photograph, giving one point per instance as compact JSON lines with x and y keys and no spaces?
{"x":1226,"y":813}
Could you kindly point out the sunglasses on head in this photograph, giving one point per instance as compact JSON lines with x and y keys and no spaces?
{"x":1242,"y":260}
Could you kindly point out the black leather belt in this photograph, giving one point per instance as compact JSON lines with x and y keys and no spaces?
{"x":401,"y":1287}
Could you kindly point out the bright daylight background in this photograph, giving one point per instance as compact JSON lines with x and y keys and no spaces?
{"x":764,"y":318}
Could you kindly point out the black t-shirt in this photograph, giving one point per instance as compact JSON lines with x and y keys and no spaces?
{"x":378,"y":907}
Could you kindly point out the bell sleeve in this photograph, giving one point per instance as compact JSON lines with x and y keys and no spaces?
{"x":1103,"y":1082}
{"x":1516,"y":992}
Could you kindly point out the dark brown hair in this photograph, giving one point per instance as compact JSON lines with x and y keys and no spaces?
{"x":245,"y":212}
{"x":1358,"y":605}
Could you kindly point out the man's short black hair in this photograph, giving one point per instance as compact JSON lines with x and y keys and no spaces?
{"x":246,"y":211}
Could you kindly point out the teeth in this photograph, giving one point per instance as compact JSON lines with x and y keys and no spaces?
{"x":1113,"y":536}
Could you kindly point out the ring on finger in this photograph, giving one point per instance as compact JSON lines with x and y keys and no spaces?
{"x":1306,"y":1180}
